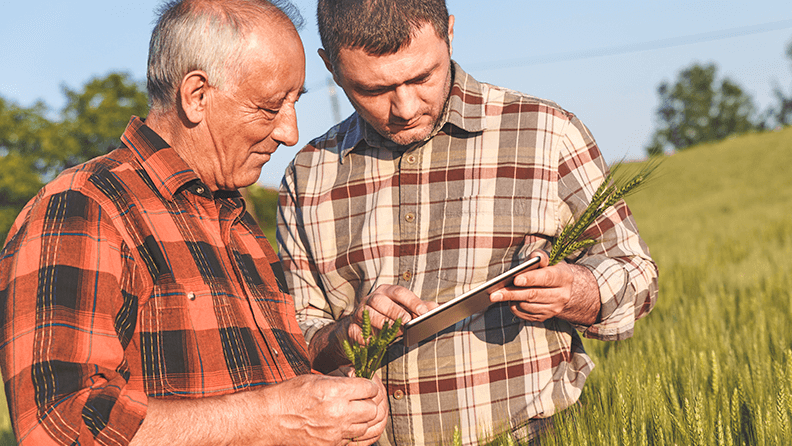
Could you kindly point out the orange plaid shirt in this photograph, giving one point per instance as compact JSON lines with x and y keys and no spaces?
{"x":126,"y":278}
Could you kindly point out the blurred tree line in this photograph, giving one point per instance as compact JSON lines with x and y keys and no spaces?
{"x":34,"y":148}
{"x":700,"y":108}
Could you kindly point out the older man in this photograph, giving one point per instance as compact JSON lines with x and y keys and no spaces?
{"x":140,"y":302}
{"x":436,"y":183}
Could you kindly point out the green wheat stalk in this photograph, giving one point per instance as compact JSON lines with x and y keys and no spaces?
{"x":367,"y":357}
{"x":607,"y":194}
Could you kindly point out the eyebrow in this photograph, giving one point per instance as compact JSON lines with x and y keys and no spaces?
{"x":413,"y":79}
{"x":280,"y":100}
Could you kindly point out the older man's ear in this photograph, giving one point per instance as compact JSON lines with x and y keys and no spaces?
{"x":193,"y":95}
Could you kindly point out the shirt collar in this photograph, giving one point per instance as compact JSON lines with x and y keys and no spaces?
{"x":463,"y":109}
{"x":167,"y":170}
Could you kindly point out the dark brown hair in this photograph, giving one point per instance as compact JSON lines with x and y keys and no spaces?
{"x":377,"y":26}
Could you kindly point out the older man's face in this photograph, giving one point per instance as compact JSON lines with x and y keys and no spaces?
{"x":401,"y":95}
{"x":255,"y":113}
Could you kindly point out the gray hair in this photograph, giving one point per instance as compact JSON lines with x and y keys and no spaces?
{"x":204,"y":35}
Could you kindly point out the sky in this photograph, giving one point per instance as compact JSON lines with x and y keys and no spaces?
{"x":602,"y":60}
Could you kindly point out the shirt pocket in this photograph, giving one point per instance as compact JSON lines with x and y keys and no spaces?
{"x":186,"y":345}
{"x":493,"y":234}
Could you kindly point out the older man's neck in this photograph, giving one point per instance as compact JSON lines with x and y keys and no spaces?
{"x":185,"y":138}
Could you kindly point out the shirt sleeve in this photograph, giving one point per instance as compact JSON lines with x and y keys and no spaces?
{"x":620,"y":260}
{"x":312,"y":309}
{"x":68,"y":314}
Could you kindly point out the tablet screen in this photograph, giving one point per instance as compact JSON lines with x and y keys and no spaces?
{"x":462,"y":306}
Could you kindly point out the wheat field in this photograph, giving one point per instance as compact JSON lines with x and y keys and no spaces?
{"x":712,"y":364}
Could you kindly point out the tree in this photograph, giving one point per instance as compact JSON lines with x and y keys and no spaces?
{"x":24,"y":133}
{"x":94,"y":118}
{"x":34,"y":149}
{"x":696,"y":109}
{"x":781,"y":113}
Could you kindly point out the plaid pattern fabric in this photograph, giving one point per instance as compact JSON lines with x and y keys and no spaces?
{"x":499,"y":179}
{"x":126,"y":278}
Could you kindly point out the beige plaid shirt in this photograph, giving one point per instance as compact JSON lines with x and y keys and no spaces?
{"x":499,"y":179}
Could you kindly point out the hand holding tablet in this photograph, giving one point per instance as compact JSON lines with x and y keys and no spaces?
{"x":465,"y":305}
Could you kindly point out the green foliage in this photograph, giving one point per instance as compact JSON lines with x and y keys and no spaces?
{"x":696,"y":109}
{"x":265,"y":204}
{"x":780,"y":114}
{"x":262,"y":203}
{"x":612,"y":189}
{"x":95,"y":117}
{"x":34,"y":148}
{"x":367,"y":357}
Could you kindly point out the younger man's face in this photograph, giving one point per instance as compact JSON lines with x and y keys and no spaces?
{"x":401,"y":95}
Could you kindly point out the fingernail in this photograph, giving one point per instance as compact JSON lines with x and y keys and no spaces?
{"x":496,"y":296}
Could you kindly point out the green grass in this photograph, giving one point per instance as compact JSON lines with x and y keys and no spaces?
{"x":712,"y":364}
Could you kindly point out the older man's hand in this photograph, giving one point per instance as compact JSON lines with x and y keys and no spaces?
{"x":320,"y":410}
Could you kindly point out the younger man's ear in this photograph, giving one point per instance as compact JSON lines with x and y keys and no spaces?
{"x":193,"y":95}
{"x":328,"y":64}
{"x":451,"y":34}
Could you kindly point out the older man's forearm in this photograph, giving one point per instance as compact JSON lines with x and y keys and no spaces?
{"x":306,"y":410}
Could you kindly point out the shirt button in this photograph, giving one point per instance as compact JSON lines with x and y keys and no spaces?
{"x":407,"y":275}
{"x":410,"y":217}
{"x":199,"y":190}
{"x":411,"y":159}
{"x":191,"y":295}
{"x":398,"y":394}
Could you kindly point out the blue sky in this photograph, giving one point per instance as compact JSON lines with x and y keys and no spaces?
{"x":602,"y":60}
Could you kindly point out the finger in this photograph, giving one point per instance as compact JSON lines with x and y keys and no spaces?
{"x":408,"y":300}
{"x":511,"y":294}
{"x":404,"y":298}
{"x":552,"y":276}
{"x":347,"y":389}
{"x":357,"y":430}
{"x":379,"y":310}
{"x":381,"y":398}
{"x":377,"y":425}
{"x":355,"y":333}
{"x":531,"y":312}
{"x":360,"y":414}
{"x":544,"y":255}
{"x":341,"y":371}
{"x":389,"y":303}
{"x":364,"y":389}
{"x":375,"y":429}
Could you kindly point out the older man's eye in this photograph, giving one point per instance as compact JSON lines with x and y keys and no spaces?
{"x":269,"y":111}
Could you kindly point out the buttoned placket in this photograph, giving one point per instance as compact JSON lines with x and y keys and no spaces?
{"x":272,"y":344}
{"x":229,"y":215}
{"x":409,"y":218}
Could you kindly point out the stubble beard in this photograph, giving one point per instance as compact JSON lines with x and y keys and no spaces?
{"x":404,"y":140}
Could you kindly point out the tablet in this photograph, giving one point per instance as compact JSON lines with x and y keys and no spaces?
{"x":462,"y":306}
